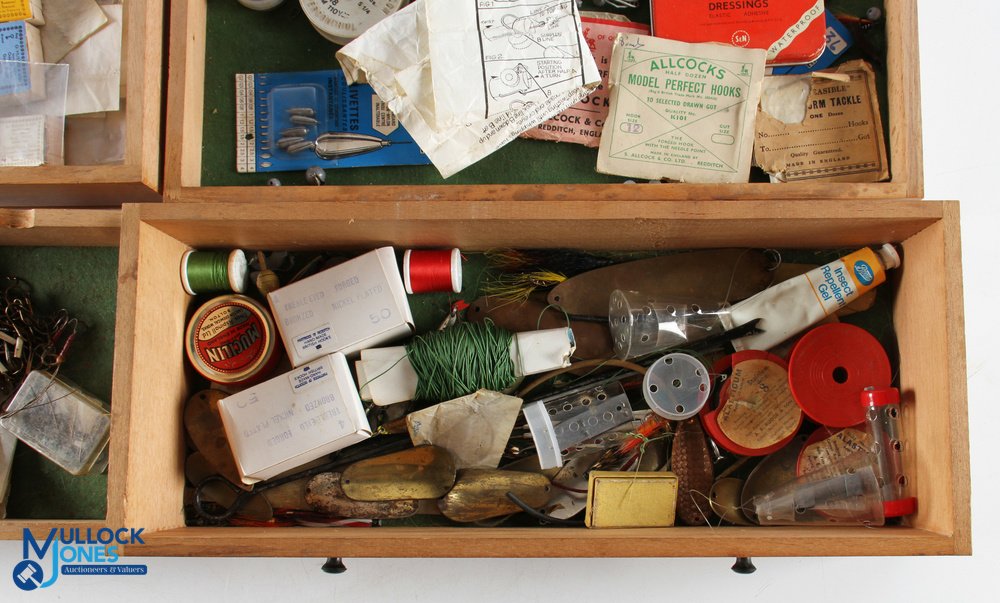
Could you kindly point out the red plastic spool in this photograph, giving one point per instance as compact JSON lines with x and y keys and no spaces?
{"x":830,"y":367}
{"x":709,"y":418}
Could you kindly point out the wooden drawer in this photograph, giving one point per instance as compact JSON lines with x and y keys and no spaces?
{"x":62,"y":228}
{"x":187,"y":131}
{"x":139,"y":177}
{"x":152,"y":381}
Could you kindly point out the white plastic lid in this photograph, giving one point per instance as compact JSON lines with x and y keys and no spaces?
{"x":676,"y":386}
{"x":456,"y":270}
{"x":261,"y":4}
{"x":889,"y":256}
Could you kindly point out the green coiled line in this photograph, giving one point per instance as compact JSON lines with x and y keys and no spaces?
{"x":458,"y":361}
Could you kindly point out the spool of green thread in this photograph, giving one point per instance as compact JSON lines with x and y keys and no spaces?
{"x":213,"y":271}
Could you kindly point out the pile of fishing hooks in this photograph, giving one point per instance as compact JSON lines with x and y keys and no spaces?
{"x":31,"y":340}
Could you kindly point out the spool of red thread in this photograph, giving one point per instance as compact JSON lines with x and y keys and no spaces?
{"x":432,"y":271}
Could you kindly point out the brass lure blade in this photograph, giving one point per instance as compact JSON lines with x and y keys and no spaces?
{"x":267,"y":280}
{"x":725,"y":499}
{"x":418,"y":473}
{"x":325,"y":494}
{"x":482,"y":493}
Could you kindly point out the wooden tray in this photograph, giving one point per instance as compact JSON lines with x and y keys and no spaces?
{"x":139,"y":178}
{"x":186,"y":112}
{"x":152,"y":381}
{"x":66,"y":227}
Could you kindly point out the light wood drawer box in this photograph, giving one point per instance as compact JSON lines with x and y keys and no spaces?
{"x":62,"y":228}
{"x":186,"y":111}
{"x":152,"y":382}
{"x":139,"y":178}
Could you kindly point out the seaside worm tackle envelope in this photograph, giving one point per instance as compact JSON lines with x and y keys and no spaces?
{"x":835,"y":137}
{"x":681,"y":111}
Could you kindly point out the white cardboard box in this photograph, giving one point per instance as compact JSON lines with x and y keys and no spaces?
{"x":298,"y":417}
{"x":358,"y":304}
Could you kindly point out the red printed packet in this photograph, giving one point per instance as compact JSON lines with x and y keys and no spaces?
{"x":792,"y":31}
{"x":582,"y":123}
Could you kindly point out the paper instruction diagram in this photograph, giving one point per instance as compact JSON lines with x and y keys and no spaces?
{"x":525,"y":56}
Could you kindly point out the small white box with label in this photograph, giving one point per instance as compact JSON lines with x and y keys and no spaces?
{"x":288,"y":421}
{"x":355,"y":305}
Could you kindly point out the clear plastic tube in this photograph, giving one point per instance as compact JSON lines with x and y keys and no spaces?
{"x":642,"y":324}
{"x":882,"y":416}
{"x":844,"y":493}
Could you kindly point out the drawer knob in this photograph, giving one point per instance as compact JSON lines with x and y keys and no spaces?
{"x":743,"y":565}
{"x":334,"y":565}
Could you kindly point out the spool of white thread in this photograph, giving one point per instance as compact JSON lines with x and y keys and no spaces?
{"x":341,"y":22}
{"x":260,"y":4}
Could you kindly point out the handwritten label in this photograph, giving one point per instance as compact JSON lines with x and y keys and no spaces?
{"x":759,"y":411}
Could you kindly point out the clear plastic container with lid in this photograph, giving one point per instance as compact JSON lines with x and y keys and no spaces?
{"x":844,"y":493}
{"x":61,"y":421}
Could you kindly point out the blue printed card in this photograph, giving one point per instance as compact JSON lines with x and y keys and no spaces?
{"x":15,"y":76}
{"x":292,"y":121}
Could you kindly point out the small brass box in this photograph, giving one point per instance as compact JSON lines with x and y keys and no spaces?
{"x":631,"y":499}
